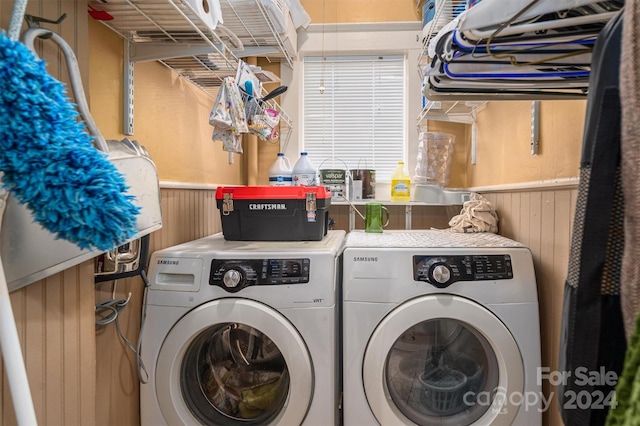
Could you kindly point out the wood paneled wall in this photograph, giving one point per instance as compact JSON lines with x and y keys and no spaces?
{"x":55,"y":324}
{"x":186,"y":215}
{"x":543,"y":220}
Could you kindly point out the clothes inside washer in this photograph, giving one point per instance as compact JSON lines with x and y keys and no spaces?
{"x":239,"y":374}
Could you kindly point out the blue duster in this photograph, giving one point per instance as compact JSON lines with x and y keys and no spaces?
{"x":49,"y":162}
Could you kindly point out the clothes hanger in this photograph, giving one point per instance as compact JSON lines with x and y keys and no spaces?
{"x":492,"y":14}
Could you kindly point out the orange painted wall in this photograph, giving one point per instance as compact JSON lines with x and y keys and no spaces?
{"x":361,"y":10}
{"x":170,"y":114}
{"x":504,"y":143}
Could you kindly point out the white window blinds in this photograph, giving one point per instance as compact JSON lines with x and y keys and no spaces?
{"x":359,"y":118}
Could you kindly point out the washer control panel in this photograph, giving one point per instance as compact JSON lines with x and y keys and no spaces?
{"x":442,"y":271}
{"x":234,"y":275}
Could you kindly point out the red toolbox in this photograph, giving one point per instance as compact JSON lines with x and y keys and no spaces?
{"x":274,"y":213}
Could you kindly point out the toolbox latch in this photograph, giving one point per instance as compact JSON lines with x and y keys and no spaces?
{"x":310,"y":206}
{"x":227,"y":204}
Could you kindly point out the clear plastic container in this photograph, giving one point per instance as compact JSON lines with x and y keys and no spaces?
{"x":304,"y":172}
{"x":280,"y":173}
{"x":400,"y":184}
{"x":433,"y":162}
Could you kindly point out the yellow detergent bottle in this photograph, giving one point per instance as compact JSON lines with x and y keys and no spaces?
{"x":400,"y":184}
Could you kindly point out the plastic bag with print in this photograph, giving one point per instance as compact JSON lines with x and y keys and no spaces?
{"x":220,"y":115}
{"x":231,"y":141}
{"x":227,"y":112}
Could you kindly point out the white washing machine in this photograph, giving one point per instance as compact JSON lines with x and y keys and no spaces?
{"x":439,"y":328}
{"x":241,"y":332}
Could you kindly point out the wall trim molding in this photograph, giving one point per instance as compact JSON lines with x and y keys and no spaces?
{"x":169,"y":184}
{"x":539,"y":185}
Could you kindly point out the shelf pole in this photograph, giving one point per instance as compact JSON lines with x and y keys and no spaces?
{"x":127,"y":90}
{"x":474,"y":141}
{"x":535,"y":127}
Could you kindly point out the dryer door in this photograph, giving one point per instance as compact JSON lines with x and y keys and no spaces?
{"x":234,"y":361}
{"x":443,"y":359}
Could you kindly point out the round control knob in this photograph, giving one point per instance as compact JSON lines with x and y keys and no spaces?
{"x":440,"y":274}
{"x":232,"y":278}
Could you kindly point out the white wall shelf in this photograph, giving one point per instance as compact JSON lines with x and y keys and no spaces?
{"x":455,"y":111}
{"x":429,"y":195}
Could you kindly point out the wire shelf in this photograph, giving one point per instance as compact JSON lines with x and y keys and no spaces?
{"x":457,"y":76}
{"x":172,"y":33}
{"x":455,"y":111}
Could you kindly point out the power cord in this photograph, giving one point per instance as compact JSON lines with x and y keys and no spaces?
{"x":140,"y":365}
{"x":109,"y":311}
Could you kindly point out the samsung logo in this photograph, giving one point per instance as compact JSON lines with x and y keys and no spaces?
{"x":168,"y":262}
{"x":274,"y":206}
{"x":365,"y":259}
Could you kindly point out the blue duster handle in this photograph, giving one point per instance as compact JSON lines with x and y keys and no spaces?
{"x":11,"y":351}
{"x":19,"y":7}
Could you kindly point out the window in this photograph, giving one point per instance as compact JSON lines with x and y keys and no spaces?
{"x":360,"y":117}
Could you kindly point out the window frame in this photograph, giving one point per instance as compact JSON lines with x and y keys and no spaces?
{"x":378,"y":139}
{"x":391,"y":38}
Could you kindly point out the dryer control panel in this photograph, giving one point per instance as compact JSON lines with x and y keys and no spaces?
{"x":234,"y":275}
{"x":442,"y":271}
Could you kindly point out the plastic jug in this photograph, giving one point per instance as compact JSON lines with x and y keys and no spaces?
{"x":304,"y":172}
{"x":280,"y":173}
{"x":400,"y":184}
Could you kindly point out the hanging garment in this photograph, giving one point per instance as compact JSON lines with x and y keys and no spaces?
{"x":627,"y":411}
{"x":593,"y":338}
{"x":630,"y":98}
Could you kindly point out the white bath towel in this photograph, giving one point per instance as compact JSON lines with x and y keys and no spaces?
{"x":477,"y":215}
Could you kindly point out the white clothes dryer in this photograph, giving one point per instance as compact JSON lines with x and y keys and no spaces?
{"x":241,"y":332}
{"x":439,"y":328}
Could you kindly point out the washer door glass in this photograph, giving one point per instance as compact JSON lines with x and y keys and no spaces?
{"x":442,"y":359}
{"x":234,"y":372}
{"x":438,"y":368}
{"x":234,"y":361}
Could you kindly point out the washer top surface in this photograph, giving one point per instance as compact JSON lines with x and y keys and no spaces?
{"x":428,"y":238}
{"x":331,"y":243}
